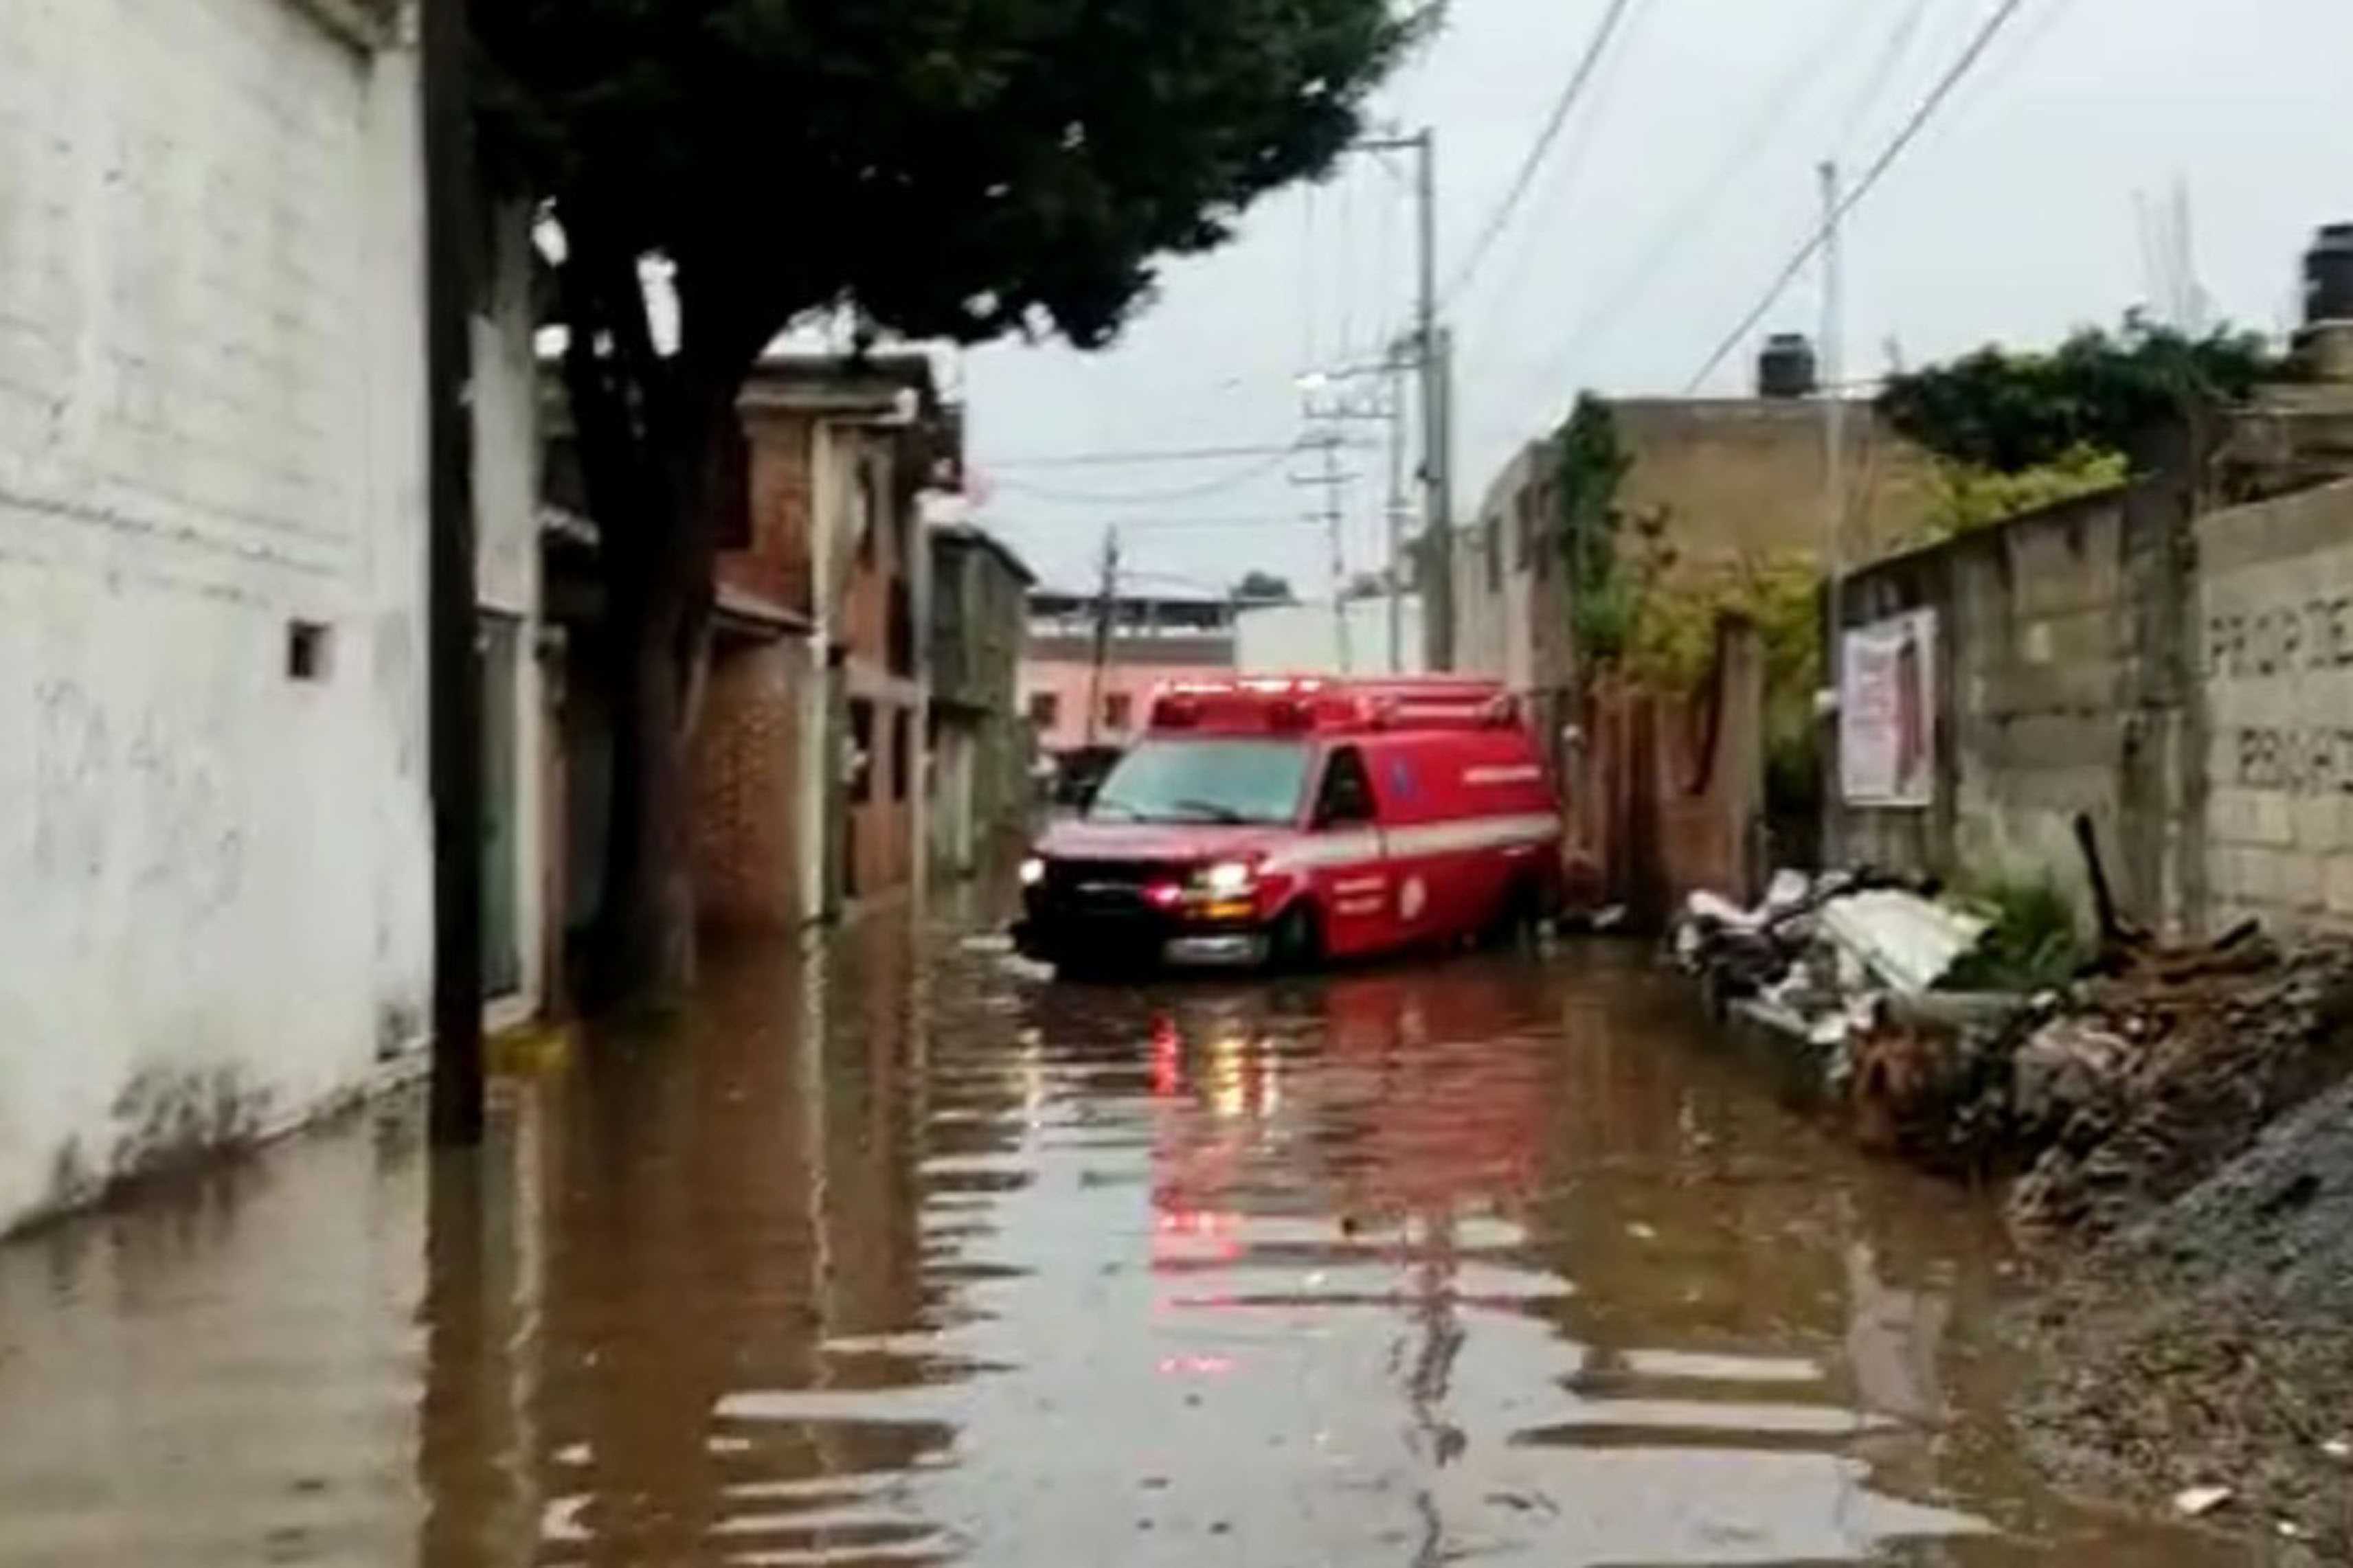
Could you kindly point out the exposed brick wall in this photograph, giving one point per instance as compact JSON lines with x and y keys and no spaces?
{"x":743,"y":775}
{"x":775,"y":565}
{"x":1663,"y":795}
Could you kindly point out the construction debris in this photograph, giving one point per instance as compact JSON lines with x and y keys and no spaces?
{"x":2110,"y":1093}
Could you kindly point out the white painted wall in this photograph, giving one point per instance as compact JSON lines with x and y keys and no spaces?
{"x":218,"y":907}
{"x":507,"y":571}
{"x":1305,"y":639}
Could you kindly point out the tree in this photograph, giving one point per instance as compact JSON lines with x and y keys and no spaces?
{"x":955,"y":169}
{"x":1264,"y":588}
{"x":2096,"y":393}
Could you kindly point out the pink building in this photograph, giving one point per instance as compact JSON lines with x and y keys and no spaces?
{"x":1153,"y":640}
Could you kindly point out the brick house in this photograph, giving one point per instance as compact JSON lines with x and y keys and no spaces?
{"x":839,"y":451}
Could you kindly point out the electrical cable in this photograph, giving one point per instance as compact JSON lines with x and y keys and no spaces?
{"x":1894,"y":149}
{"x":1233,"y":480}
{"x":1500,"y":214}
{"x":1114,"y":457}
{"x":1785,"y":93}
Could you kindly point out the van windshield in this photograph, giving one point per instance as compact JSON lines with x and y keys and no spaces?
{"x":1205,"y":781}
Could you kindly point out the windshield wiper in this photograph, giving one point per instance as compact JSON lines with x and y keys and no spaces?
{"x":1099,"y":803}
{"x":1210,"y":809}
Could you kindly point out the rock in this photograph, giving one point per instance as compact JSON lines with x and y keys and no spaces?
{"x":2067,"y":1067}
{"x":2198,"y":1502}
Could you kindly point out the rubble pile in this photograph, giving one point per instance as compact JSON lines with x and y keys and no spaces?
{"x":2111,"y":1093}
{"x":2157,"y":1075}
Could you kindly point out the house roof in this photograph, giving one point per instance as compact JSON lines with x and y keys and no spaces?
{"x":873,"y":383}
{"x":967,"y":536}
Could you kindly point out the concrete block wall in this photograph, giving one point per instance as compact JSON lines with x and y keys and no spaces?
{"x":2275,"y":665}
{"x":2062,"y":689}
{"x":217,"y":915}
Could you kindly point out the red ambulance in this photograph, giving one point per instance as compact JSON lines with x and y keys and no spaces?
{"x":1289,"y":821}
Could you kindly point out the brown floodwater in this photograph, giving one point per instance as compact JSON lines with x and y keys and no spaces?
{"x":894,"y":1252}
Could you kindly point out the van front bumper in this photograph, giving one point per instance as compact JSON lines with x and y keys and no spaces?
{"x":1143,"y":942}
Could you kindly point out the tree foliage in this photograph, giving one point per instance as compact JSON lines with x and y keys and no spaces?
{"x":2010,"y":411}
{"x":950,"y":168}
{"x":955,"y":169}
{"x":1965,"y":496}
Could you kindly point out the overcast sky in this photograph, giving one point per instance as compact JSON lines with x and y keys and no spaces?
{"x":1683,"y":182}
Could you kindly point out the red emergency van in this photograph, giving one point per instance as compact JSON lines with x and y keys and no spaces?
{"x":1297,"y":820}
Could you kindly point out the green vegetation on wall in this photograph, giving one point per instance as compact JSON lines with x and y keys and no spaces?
{"x":2015,"y":431}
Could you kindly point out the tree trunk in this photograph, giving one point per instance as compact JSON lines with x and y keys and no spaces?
{"x":650,"y":431}
{"x":644,"y":946}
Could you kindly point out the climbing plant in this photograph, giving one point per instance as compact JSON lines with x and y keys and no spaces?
{"x":1604,"y":591}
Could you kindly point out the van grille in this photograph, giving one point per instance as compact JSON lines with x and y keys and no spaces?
{"x":1103,"y":886}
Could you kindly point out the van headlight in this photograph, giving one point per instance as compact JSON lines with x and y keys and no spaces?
{"x":1229,"y":878}
{"x":1033,"y":871}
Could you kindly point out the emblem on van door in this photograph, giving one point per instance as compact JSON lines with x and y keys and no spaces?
{"x":1410,"y":898}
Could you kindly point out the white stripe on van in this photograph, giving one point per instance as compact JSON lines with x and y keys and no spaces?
{"x":1461,"y":836}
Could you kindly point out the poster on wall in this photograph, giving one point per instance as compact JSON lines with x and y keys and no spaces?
{"x":1887,"y":712}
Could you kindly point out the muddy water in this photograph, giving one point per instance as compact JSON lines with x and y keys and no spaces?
{"x":898,"y":1254}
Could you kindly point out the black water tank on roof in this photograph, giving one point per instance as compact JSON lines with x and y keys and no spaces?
{"x":2328,"y":274}
{"x":1786,"y":368}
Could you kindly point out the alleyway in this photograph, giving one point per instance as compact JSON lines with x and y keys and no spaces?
{"x":901,"y":1261}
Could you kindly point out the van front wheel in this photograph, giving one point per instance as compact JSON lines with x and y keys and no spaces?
{"x":1297,"y":940}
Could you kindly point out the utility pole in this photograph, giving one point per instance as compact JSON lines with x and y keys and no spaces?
{"x":1430,"y":356}
{"x":1436,"y":466}
{"x":1104,"y":607}
{"x":1396,"y":512}
{"x":454,"y":682}
{"x":1330,"y":480}
{"x":1834,"y":473}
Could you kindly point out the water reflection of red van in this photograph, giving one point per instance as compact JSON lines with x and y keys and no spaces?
{"x":1298,"y":819}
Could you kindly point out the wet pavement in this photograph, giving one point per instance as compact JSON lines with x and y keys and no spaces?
{"x":897,"y":1252}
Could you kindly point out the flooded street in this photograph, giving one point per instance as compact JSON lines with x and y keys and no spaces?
{"x":900,"y":1254}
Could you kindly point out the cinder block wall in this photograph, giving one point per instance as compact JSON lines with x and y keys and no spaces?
{"x":2275,"y":623}
{"x":2063,"y":688}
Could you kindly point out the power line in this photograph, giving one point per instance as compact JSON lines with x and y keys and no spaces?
{"x":1233,"y":480}
{"x":1863,"y":187}
{"x":1782,"y":97}
{"x":1899,"y":43}
{"x":1115,"y":457}
{"x":1575,"y":89}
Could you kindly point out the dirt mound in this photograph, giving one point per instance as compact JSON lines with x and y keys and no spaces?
{"x":2155,"y":1079}
{"x":2211,"y":1342}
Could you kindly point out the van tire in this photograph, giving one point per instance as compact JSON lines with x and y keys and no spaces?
{"x":1297,"y":940}
{"x":1516,"y":917}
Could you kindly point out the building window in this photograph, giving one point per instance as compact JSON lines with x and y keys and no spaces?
{"x":902,"y":753}
{"x":861,"y":761}
{"x":1494,"y":544}
{"x":1045,"y":709}
{"x":1116,"y":708}
{"x":309,"y":645}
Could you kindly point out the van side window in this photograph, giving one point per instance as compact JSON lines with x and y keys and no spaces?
{"x":1346,"y":796}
